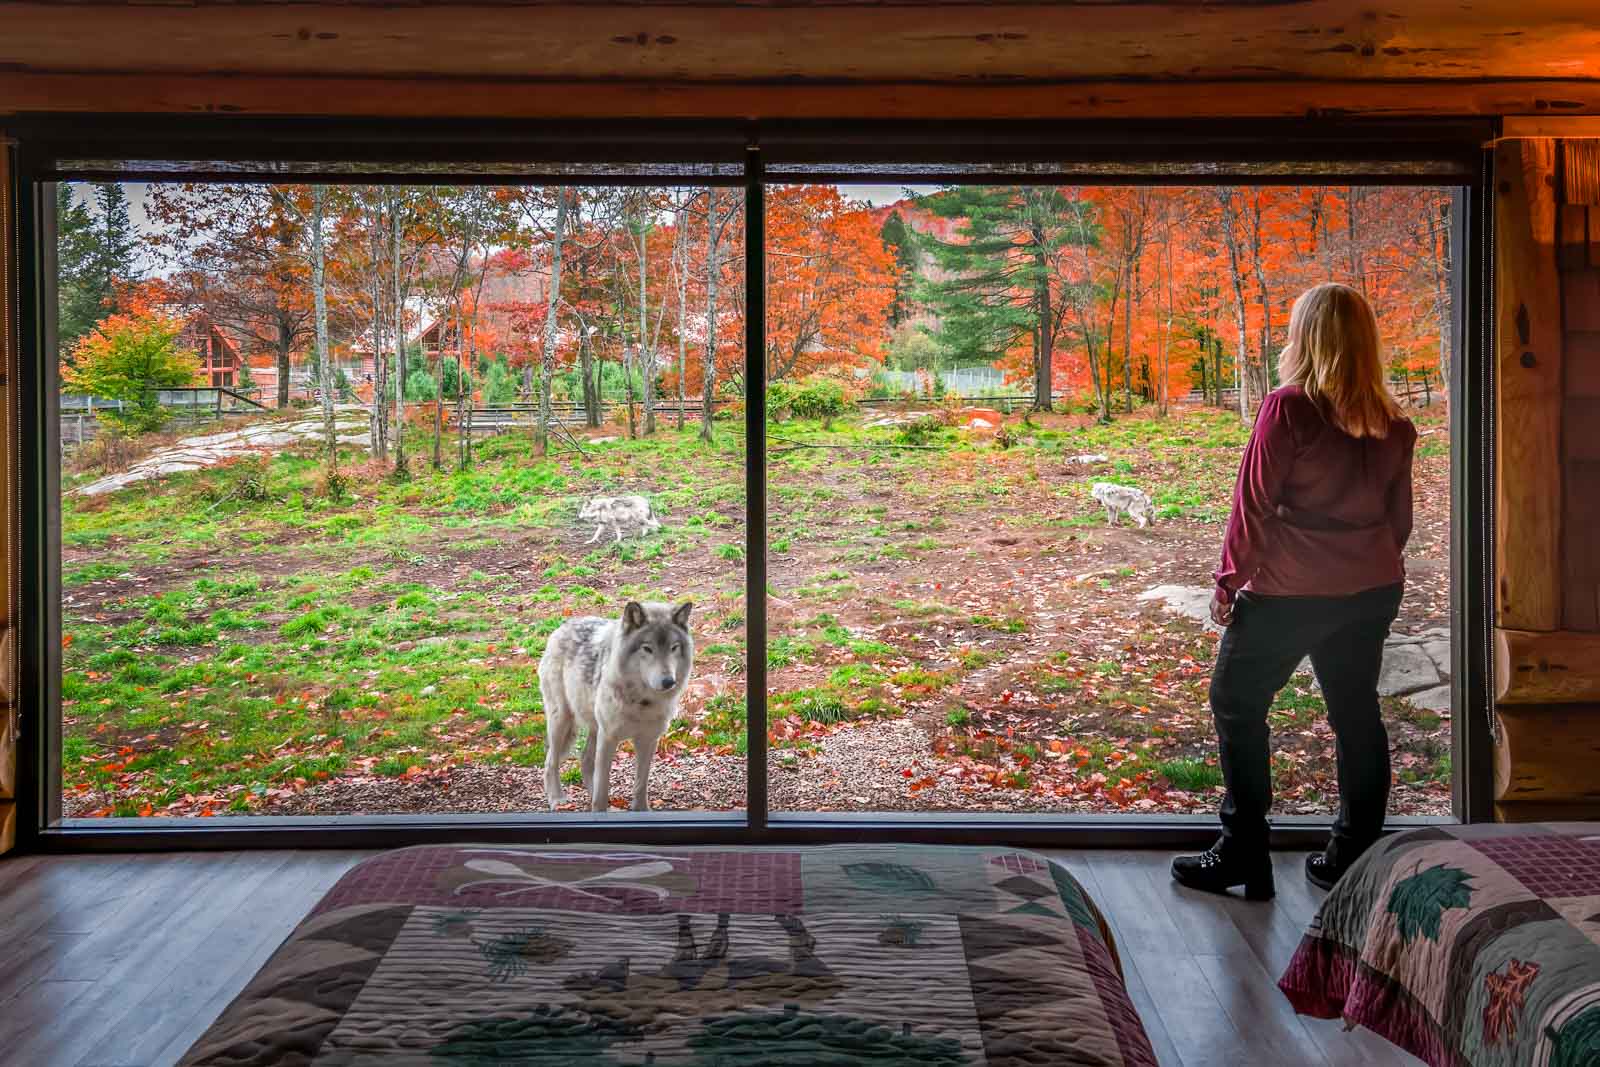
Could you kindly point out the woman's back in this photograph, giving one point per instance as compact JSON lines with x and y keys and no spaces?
{"x":1318,"y":512}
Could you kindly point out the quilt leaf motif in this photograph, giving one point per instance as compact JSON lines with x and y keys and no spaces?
{"x":1419,"y":902}
{"x":889,"y":878}
{"x":1505,"y":994}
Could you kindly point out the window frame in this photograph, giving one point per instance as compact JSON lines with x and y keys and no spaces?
{"x":751,"y":156}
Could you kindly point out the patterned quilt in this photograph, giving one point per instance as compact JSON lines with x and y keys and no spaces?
{"x":1468,"y":946}
{"x":734,"y":957}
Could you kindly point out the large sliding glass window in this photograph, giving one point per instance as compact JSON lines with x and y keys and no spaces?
{"x":1006,"y":423}
{"x":335,"y":459}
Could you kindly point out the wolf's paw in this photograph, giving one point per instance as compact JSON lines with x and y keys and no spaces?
{"x":557,"y":799}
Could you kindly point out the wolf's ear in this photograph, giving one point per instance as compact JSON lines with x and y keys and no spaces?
{"x":632,"y":617}
{"x":680,"y":614}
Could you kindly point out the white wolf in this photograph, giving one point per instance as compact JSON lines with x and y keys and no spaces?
{"x":1124,"y":500}
{"x":620,"y":680}
{"x":617,"y":511}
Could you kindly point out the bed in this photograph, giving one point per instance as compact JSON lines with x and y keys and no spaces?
{"x":561,"y":955}
{"x":1468,"y":946}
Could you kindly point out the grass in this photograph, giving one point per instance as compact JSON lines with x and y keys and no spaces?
{"x":397,"y":631}
{"x":1190,"y":775}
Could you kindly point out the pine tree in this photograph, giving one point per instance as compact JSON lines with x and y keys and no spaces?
{"x":78,"y":301}
{"x":112,"y":257}
{"x":899,"y":239}
{"x":999,"y":273}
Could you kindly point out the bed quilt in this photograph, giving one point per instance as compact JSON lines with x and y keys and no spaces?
{"x":558,"y":955}
{"x":1468,"y":946}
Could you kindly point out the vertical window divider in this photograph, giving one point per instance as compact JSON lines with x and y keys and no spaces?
{"x":755,"y":482}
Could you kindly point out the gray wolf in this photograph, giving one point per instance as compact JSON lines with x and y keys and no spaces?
{"x":616,"y":512}
{"x":1124,"y":500}
{"x":620,"y":680}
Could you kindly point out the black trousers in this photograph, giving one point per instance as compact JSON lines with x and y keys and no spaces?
{"x":1268,"y":637}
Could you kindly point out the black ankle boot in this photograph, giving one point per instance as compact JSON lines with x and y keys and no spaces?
{"x":1323,"y":871}
{"x":1220,"y":868}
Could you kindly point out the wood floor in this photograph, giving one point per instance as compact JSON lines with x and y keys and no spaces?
{"x":123,"y":960}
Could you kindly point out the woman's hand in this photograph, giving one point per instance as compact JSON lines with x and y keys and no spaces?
{"x":1221,"y":610}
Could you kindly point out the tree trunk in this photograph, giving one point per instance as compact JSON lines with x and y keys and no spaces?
{"x":1236,"y":273}
{"x":319,"y":296}
{"x":1439,"y":244}
{"x":285,"y":345}
{"x":630,"y":359}
{"x":547,"y":358}
{"x":397,"y":300}
{"x":1163,"y":387}
{"x":1127,"y":340}
{"x":708,"y":370}
{"x":591,"y":391}
{"x":1264,"y":296}
{"x":683,"y":302}
{"x":438,"y":410}
{"x":647,"y":354}
{"x":1043,"y":382}
{"x":463,"y":399}
{"x":380,"y":361}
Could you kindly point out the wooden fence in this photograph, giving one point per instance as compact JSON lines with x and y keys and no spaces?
{"x":497,"y":418}
{"x":1411,"y":390}
{"x":80,"y":415}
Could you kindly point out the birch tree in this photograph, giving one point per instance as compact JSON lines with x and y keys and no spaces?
{"x":547,"y":357}
{"x":319,"y":296}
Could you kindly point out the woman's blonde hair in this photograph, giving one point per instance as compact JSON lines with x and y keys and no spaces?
{"x":1334,"y":355}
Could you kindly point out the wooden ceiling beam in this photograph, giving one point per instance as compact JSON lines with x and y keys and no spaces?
{"x":703,"y":40}
{"x":451,"y":98}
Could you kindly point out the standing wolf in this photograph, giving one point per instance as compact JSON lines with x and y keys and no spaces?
{"x":1123,"y":499}
{"x":617,"y":512}
{"x":619,"y":679}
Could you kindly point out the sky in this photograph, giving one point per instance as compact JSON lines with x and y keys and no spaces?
{"x":878,"y":195}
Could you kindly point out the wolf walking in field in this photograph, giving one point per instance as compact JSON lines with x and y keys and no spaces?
{"x":617,"y":512}
{"x":1124,"y":500}
{"x":620,"y":679}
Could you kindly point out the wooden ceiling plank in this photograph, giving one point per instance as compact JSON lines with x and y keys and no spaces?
{"x":450,"y":98}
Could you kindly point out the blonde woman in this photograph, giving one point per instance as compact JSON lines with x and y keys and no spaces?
{"x":1311,"y":565}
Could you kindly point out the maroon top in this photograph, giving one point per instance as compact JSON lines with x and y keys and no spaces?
{"x":1317,"y":512}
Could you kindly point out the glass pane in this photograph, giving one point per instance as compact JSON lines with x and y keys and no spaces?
{"x":955,"y":624}
{"x":516,"y":381}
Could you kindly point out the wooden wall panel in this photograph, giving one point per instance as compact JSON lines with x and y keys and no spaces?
{"x":1546,"y":668}
{"x":1545,"y":765}
{"x":1528,"y":298}
{"x":1580,"y":283}
{"x":1547,"y":654}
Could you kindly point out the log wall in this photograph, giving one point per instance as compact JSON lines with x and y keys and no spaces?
{"x":1547,"y":662}
{"x":1538,"y":60}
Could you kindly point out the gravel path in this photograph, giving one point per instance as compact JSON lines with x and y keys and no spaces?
{"x":859,"y":769}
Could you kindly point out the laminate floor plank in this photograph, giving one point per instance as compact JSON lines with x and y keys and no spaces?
{"x":167,"y":942}
{"x":1189,"y":1011}
{"x":123,"y":961}
{"x":178,"y":1011}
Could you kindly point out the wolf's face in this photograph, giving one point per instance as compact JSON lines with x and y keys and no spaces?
{"x":593,"y":509}
{"x":657,"y":648}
